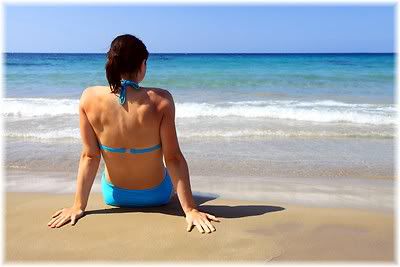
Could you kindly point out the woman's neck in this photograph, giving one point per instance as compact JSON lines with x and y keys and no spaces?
{"x":130,"y":77}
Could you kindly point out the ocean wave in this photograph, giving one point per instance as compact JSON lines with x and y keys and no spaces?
{"x":318,"y":111}
{"x":25,"y":64}
{"x":69,"y":133}
{"x":39,"y":107}
{"x":73,"y":134}
{"x":330,"y":103}
{"x":313,"y":111}
{"x":280,"y":133}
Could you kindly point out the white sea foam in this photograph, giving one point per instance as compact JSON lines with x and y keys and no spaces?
{"x":70,"y":133}
{"x":314,"y":111}
{"x":281,"y":133}
{"x":67,"y":133}
{"x":318,"y":111}
{"x":38,"y":107}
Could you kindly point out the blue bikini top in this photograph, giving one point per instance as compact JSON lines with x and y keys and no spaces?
{"x":122,"y":99}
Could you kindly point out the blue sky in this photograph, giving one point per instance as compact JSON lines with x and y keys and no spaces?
{"x":196,"y":29}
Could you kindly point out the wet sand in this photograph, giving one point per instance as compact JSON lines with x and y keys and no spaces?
{"x":248,"y":231}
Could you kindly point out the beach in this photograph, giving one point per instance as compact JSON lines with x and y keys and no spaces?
{"x":295,"y":154}
{"x":249,"y":231}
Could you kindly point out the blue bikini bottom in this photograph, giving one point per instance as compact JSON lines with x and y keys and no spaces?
{"x":154,"y":196}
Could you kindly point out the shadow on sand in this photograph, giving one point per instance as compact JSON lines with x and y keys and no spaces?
{"x":174,"y":208}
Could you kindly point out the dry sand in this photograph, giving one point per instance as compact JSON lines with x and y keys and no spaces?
{"x":248,"y":231}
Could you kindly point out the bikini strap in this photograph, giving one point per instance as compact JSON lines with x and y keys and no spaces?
{"x":129,"y":150}
{"x":124,"y":85}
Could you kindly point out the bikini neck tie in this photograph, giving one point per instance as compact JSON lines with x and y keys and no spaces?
{"x":124,"y":85}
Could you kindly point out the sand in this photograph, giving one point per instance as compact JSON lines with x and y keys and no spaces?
{"x":248,"y":231}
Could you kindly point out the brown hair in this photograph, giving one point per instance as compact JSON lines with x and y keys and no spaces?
{"x":125,"y":56}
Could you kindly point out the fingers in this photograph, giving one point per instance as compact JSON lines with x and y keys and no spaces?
{"x":55,"y":221}
{"x":62,"y":221}
{"x":58,"y":221}
{"x":205,"y":227}
{"x":212,"y":228}
{"x":57,"y":213}
{"x":202,"y":221}
{"x":199,"y":228}
{"x":189,"y":227}
{"x":73,"y":218}
{"x":51,"y":221}
{"x":212,"y":217}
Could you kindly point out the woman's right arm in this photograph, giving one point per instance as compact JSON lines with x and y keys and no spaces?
{"x":88,"y":165}
{"x":178,"y":168}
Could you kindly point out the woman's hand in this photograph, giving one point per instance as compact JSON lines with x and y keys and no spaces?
{"x":65,"y":215}
{"x":201,"y":220}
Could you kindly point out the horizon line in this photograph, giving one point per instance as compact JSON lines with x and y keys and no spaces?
{"x":209,"y":53}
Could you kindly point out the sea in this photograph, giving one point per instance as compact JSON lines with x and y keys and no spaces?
{"x":304,"y":128}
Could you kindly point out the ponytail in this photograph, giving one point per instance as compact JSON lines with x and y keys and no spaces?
{"x":113,"y":73}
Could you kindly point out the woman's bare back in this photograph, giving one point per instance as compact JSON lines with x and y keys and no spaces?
{"x":135,"y":124}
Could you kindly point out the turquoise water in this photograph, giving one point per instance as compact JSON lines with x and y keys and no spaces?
{"x":366,"y":78}
{"x":216,"y":95}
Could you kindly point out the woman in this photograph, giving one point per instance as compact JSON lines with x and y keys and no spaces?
{"x":133,"y":128}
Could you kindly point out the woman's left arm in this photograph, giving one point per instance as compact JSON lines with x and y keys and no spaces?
{"x":88,"y":166}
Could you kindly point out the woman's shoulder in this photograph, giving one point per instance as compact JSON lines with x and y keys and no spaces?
{"x":159,"y":92}
{"x":93,"y":91}
{"x":161,"y":96}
